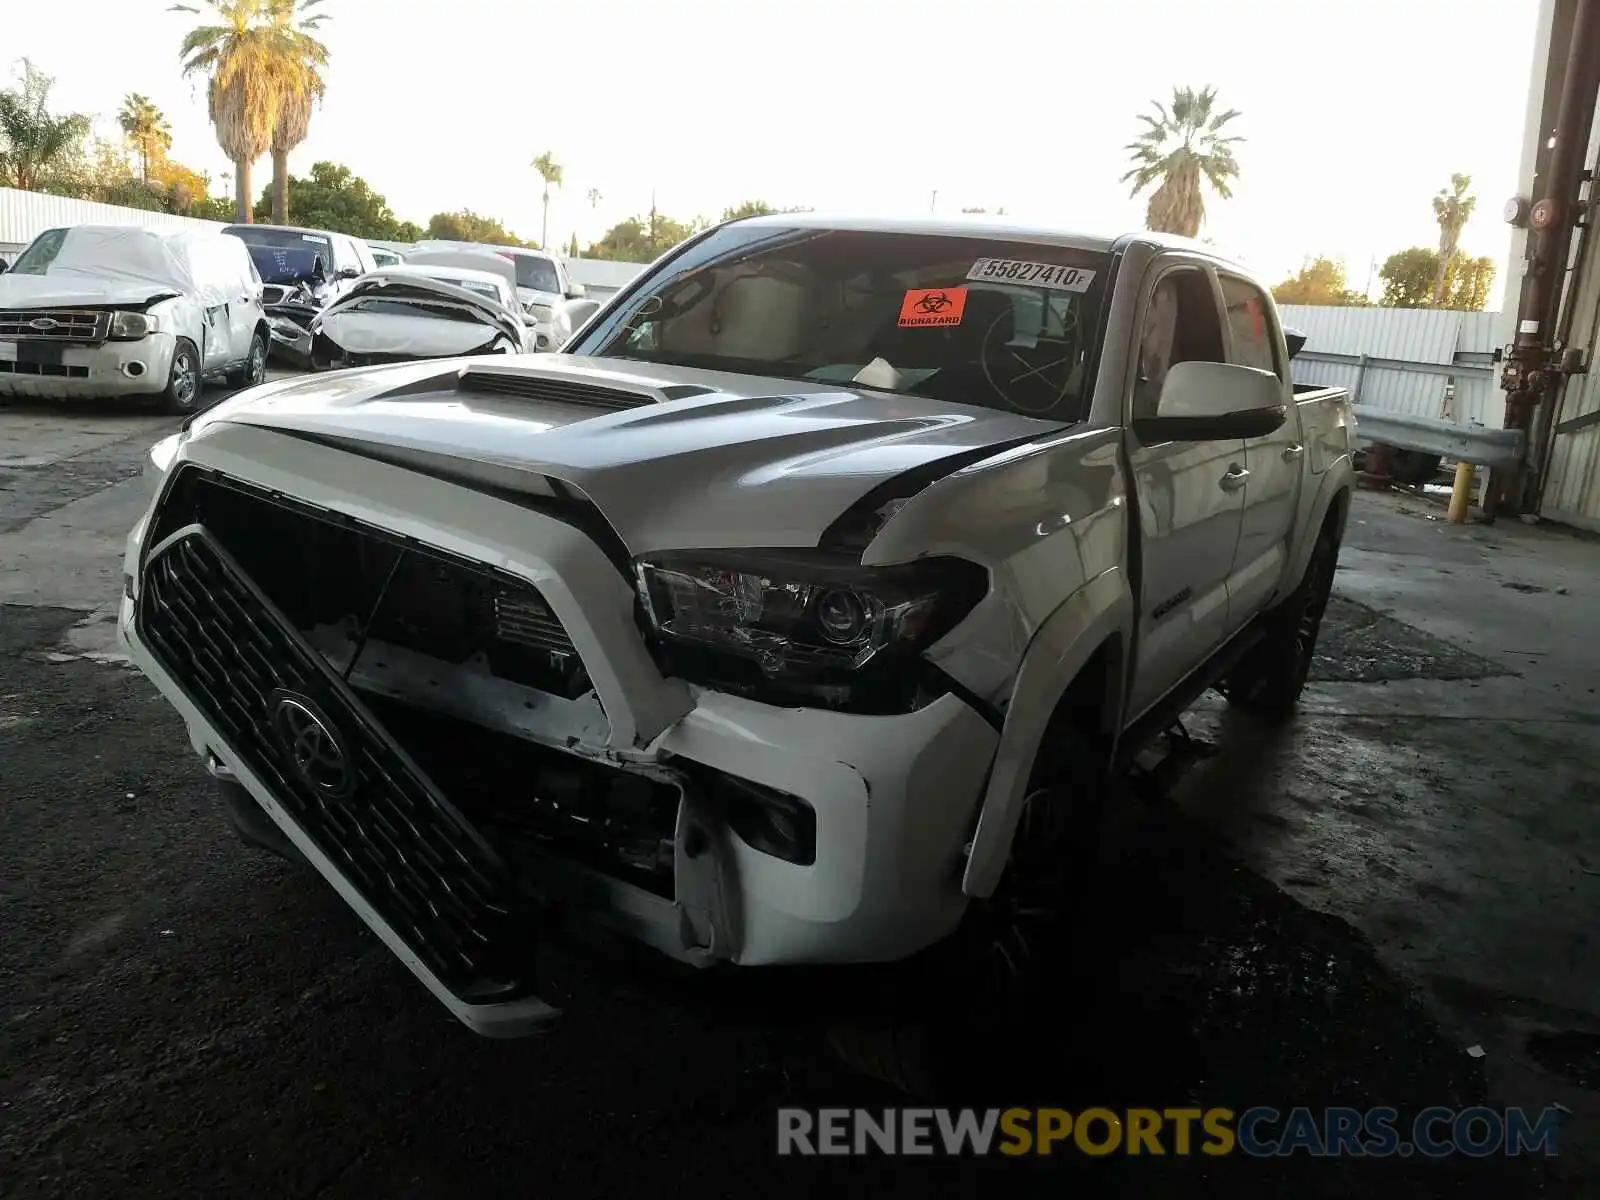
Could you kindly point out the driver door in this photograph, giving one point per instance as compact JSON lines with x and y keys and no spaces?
{"x":1190,"y":494}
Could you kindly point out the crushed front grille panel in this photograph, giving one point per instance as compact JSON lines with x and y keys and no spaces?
{"x":410,"y":853}
{"x":323,"y":569}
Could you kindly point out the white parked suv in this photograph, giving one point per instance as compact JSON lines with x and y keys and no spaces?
{"x":98,"y":311}
{"x":800,"y":613}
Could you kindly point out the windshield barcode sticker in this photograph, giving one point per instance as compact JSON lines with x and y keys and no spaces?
{"x":1034,"y":274}
{"x":311,"y":237}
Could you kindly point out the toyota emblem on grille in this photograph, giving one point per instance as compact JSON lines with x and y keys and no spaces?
{"x":43,"y":324}
{"x":316,"y":753}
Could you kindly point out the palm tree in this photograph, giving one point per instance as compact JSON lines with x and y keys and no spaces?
{"x":297,"y":61}
{"x":1180,"y":149}
{"x":550,"y":171}
{"x":33,"y":141}
{"x":1452,"y":208}
{"x":593,"y":198}
{"x":237,"y":55}
{"x":146,"y":130}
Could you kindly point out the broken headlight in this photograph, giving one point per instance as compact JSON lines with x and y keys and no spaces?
{"x":791,"y":626}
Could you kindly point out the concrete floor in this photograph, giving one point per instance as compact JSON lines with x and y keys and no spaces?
{"x":1331,"y":912}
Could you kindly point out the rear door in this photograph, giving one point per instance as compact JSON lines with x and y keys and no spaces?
{"x":1190,"y":494}
{"x":219,"y":296}
{"x":1276,"y":462}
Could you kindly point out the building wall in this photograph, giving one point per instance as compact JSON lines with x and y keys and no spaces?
{"x":1415,"y":335}
{"x":25,"y":215}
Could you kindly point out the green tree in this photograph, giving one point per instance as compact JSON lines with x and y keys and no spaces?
{"x":407,"y":231}
{"x":1452,"y":208}
{"x":297,"y":76}
{"x":1319,"y":281}
{"x":642,"y":239}
{"x":468,"y":226}
{"x":749,"y":208}
{"x":34,"y":142}
{"x":253,"y":55}
{"x":1408,"y":280}
{"x":1180,"y":149}
{"x":146,"y":129}
{"x":334,"y":198}
{"x":549,"y":171}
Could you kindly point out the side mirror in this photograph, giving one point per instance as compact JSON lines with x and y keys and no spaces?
{"x":1296,"y":341}
{"x":1214,"y":402}
{"x":580,"y":310}
{"x":349,"y":272}
{"x":577,"y":291}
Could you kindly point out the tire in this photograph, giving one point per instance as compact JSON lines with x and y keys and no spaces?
{"x":184,"y":384}
{"x":254,"y":370}
{"x":1013,"y":958}
{"x":1272,"y":676}
{"x":1412,"y":467}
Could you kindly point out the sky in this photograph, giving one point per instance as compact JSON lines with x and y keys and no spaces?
{"x":1355,"y":113}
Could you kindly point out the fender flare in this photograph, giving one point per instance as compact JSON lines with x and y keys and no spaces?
{"x":1058,"y":651}
{"x":1338,"y":478}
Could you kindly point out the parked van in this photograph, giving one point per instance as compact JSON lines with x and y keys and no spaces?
{"x":113,"y":310}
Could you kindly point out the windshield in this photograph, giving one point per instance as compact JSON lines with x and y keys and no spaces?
{"x":36,"y":259}
{"x":537,"y":274}
{"x":288,"y":264}
{"x":256,"y":235}
{"x":473,"y":285}
{"x":1006,"y":325}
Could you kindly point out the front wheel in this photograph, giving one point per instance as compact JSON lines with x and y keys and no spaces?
{"x":1271,"y":677}
{"x":182,"y":394}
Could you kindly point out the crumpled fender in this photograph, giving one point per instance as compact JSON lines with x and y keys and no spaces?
{"x":1101,"y":609}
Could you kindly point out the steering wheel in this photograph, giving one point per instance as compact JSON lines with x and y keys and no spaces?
{"x":1043,"y":369}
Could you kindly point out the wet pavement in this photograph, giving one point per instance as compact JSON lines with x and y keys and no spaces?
{"x":1326,"y":914}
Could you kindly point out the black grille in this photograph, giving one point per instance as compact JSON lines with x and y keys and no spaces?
{"x":54,"y":325}
{"x":413,"y":857}
{"x":555,"y":391}
{"x":49,"y":370}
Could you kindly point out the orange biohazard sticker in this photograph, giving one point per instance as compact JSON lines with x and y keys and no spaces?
{"x":933,"y":306}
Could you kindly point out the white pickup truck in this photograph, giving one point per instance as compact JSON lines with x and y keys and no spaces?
{"x":801,"y":612}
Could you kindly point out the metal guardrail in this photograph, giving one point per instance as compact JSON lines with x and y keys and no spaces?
{"x":1478,"y":444}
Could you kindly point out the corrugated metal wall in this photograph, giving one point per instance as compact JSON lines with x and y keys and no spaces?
{"x":24,"y":215}
{"x":1419,"y":335}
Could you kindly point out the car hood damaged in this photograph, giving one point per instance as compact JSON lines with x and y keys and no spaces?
{"x":415,"y":317}
{"x":674,"y":458}
{"x":43,"y":291}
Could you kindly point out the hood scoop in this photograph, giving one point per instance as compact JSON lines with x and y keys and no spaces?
{"x":530,"y":384}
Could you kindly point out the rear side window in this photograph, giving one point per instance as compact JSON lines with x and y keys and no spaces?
{"x":1250,"y":326}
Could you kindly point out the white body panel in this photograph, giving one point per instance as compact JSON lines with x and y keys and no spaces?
{"x":1094,"y":544}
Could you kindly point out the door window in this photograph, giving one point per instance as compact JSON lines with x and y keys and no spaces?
{"x":1250,"y":327}
{"x":1181,"y":324}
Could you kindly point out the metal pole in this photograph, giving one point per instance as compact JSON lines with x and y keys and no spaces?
{"x":1553,"y":216}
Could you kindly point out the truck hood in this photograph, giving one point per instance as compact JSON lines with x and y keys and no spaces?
{"x":673,"y":458}
{"x":78,"y":291}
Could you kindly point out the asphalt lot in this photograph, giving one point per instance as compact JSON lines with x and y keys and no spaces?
{"x":1331,"y":914}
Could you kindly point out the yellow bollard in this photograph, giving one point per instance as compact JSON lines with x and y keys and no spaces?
{"x":1461,"y":493}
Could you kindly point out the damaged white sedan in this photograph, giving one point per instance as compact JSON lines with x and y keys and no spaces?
{"x":798,"y":613}
{"x":407,"y":312}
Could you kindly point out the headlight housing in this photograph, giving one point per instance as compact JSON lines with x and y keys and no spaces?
{"x":806,"y":628}
{"x":131,"y":326}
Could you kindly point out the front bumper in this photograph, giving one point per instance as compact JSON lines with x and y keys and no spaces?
{"x":894,"y":797}
{"x":291,"y":336}
{"x":137,"y":368}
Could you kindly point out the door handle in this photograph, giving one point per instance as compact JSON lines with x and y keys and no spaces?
{"x":1291,"y":453}
{"x":1234,"y":479}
